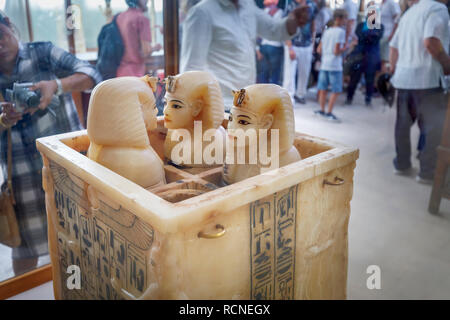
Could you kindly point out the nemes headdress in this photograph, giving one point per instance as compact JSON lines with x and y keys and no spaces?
{"x":262,"y":99}
{"x":199,"y":87}
{"x":115,"y":115}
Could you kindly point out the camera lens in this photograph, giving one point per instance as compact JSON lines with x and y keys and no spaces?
{"x":29,"y":98}
{"x":33,"y":100}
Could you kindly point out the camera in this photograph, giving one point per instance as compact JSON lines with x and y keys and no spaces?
{"x":24,"y":98}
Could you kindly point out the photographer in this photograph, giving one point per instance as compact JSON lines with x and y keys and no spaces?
{"x":53,"y":72}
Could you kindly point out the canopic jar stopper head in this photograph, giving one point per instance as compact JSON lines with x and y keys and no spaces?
{"x":121,"y":111}
{"x":193,"y":96}
{"x":271,"y":107}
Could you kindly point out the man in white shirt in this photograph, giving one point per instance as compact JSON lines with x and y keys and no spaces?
{"x":220,"y":36}
{"x":390,"y":11}
{"x":419,"y":58}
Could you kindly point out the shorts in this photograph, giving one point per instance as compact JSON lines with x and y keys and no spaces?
{"x":330,"y":78}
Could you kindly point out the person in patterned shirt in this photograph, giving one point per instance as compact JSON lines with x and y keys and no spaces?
{"x":53,"y":71}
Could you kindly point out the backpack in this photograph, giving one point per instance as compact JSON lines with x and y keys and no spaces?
{"x":110,"y":50}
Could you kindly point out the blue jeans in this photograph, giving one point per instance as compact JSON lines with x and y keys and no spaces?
{"x":369,"y":70}
{"x":330,"y":78}
{"x":271,"y":64}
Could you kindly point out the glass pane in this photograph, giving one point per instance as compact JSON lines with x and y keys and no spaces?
{"x":49,"y":23}
{"x":16,"y":11}
{"x":46,"y":13}
{"x":96,"y":13}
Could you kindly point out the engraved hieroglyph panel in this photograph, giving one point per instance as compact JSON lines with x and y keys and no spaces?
{"x":272,"y":245}
{"x":108,"y":243}
{"x":254,"y":259}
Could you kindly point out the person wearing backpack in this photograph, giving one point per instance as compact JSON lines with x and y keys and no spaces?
{"x":134,"y":29}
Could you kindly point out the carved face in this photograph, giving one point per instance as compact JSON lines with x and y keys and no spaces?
{"x":240,"y":118}
{"x":179,"y":113}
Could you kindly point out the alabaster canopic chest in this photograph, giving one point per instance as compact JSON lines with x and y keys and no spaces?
{"x":278,"y":235}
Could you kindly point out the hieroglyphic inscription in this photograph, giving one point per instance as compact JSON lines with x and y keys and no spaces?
{"x":272,"y":245}
{"x":111,"y":244}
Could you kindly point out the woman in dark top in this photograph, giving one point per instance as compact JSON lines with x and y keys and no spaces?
{"x":367,"y":58}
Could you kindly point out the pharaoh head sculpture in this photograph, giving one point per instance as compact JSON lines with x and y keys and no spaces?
{"x":121,"y":111}
{"x":193,"y":96}
{"x":264,"y":106}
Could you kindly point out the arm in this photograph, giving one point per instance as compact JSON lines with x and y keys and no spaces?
{"x":280,"y":29}
{"x":292,"y":54}
{"x":393,"y":58}
{"x":348,"y":29}
{"x":147,"y":48}
{"x":393,"y":32}
{"x":146,"y":38}
{"x":319,"y":48}
{"x":435,"y":48}
{"x":197,"y":37}
{"x":75,"y":75}
{"x":396,"y":13}
{"x":8,"y":117}
{"x":436,"y":27}
{"x":340,"y":48}
{"x":393,"y":50}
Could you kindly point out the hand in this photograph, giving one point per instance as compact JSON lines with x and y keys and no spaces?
{"x":47,"y":89}
{"x":9,"y":114}
{"x":390,"y":70}
{"x":157,"y":47}
{"x":259,"y":56}
{"x":300,"y":15}
{"x":292,"y":54}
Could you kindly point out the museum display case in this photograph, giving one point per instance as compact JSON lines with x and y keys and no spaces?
{"x":279,"y":235}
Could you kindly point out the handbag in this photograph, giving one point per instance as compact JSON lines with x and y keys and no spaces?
{"x":9,"y":227}
{"x":353,"y":61}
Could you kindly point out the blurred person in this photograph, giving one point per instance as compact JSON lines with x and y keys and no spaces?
{"x":368,"y":48}
{"x":300,"y":52}
{"x":53,"y":72}
{"x":185,"y":6}
{"x":390,"y":12}
{"x":321,"y":20}
{"x":135,"y":31}
{"x":332,"y":47}
{"x":352,"y":16}
{"x":405,"y":5}
{"x":219,"y":36}
{"x":419,"y":59}
{"x":270,"y":53}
